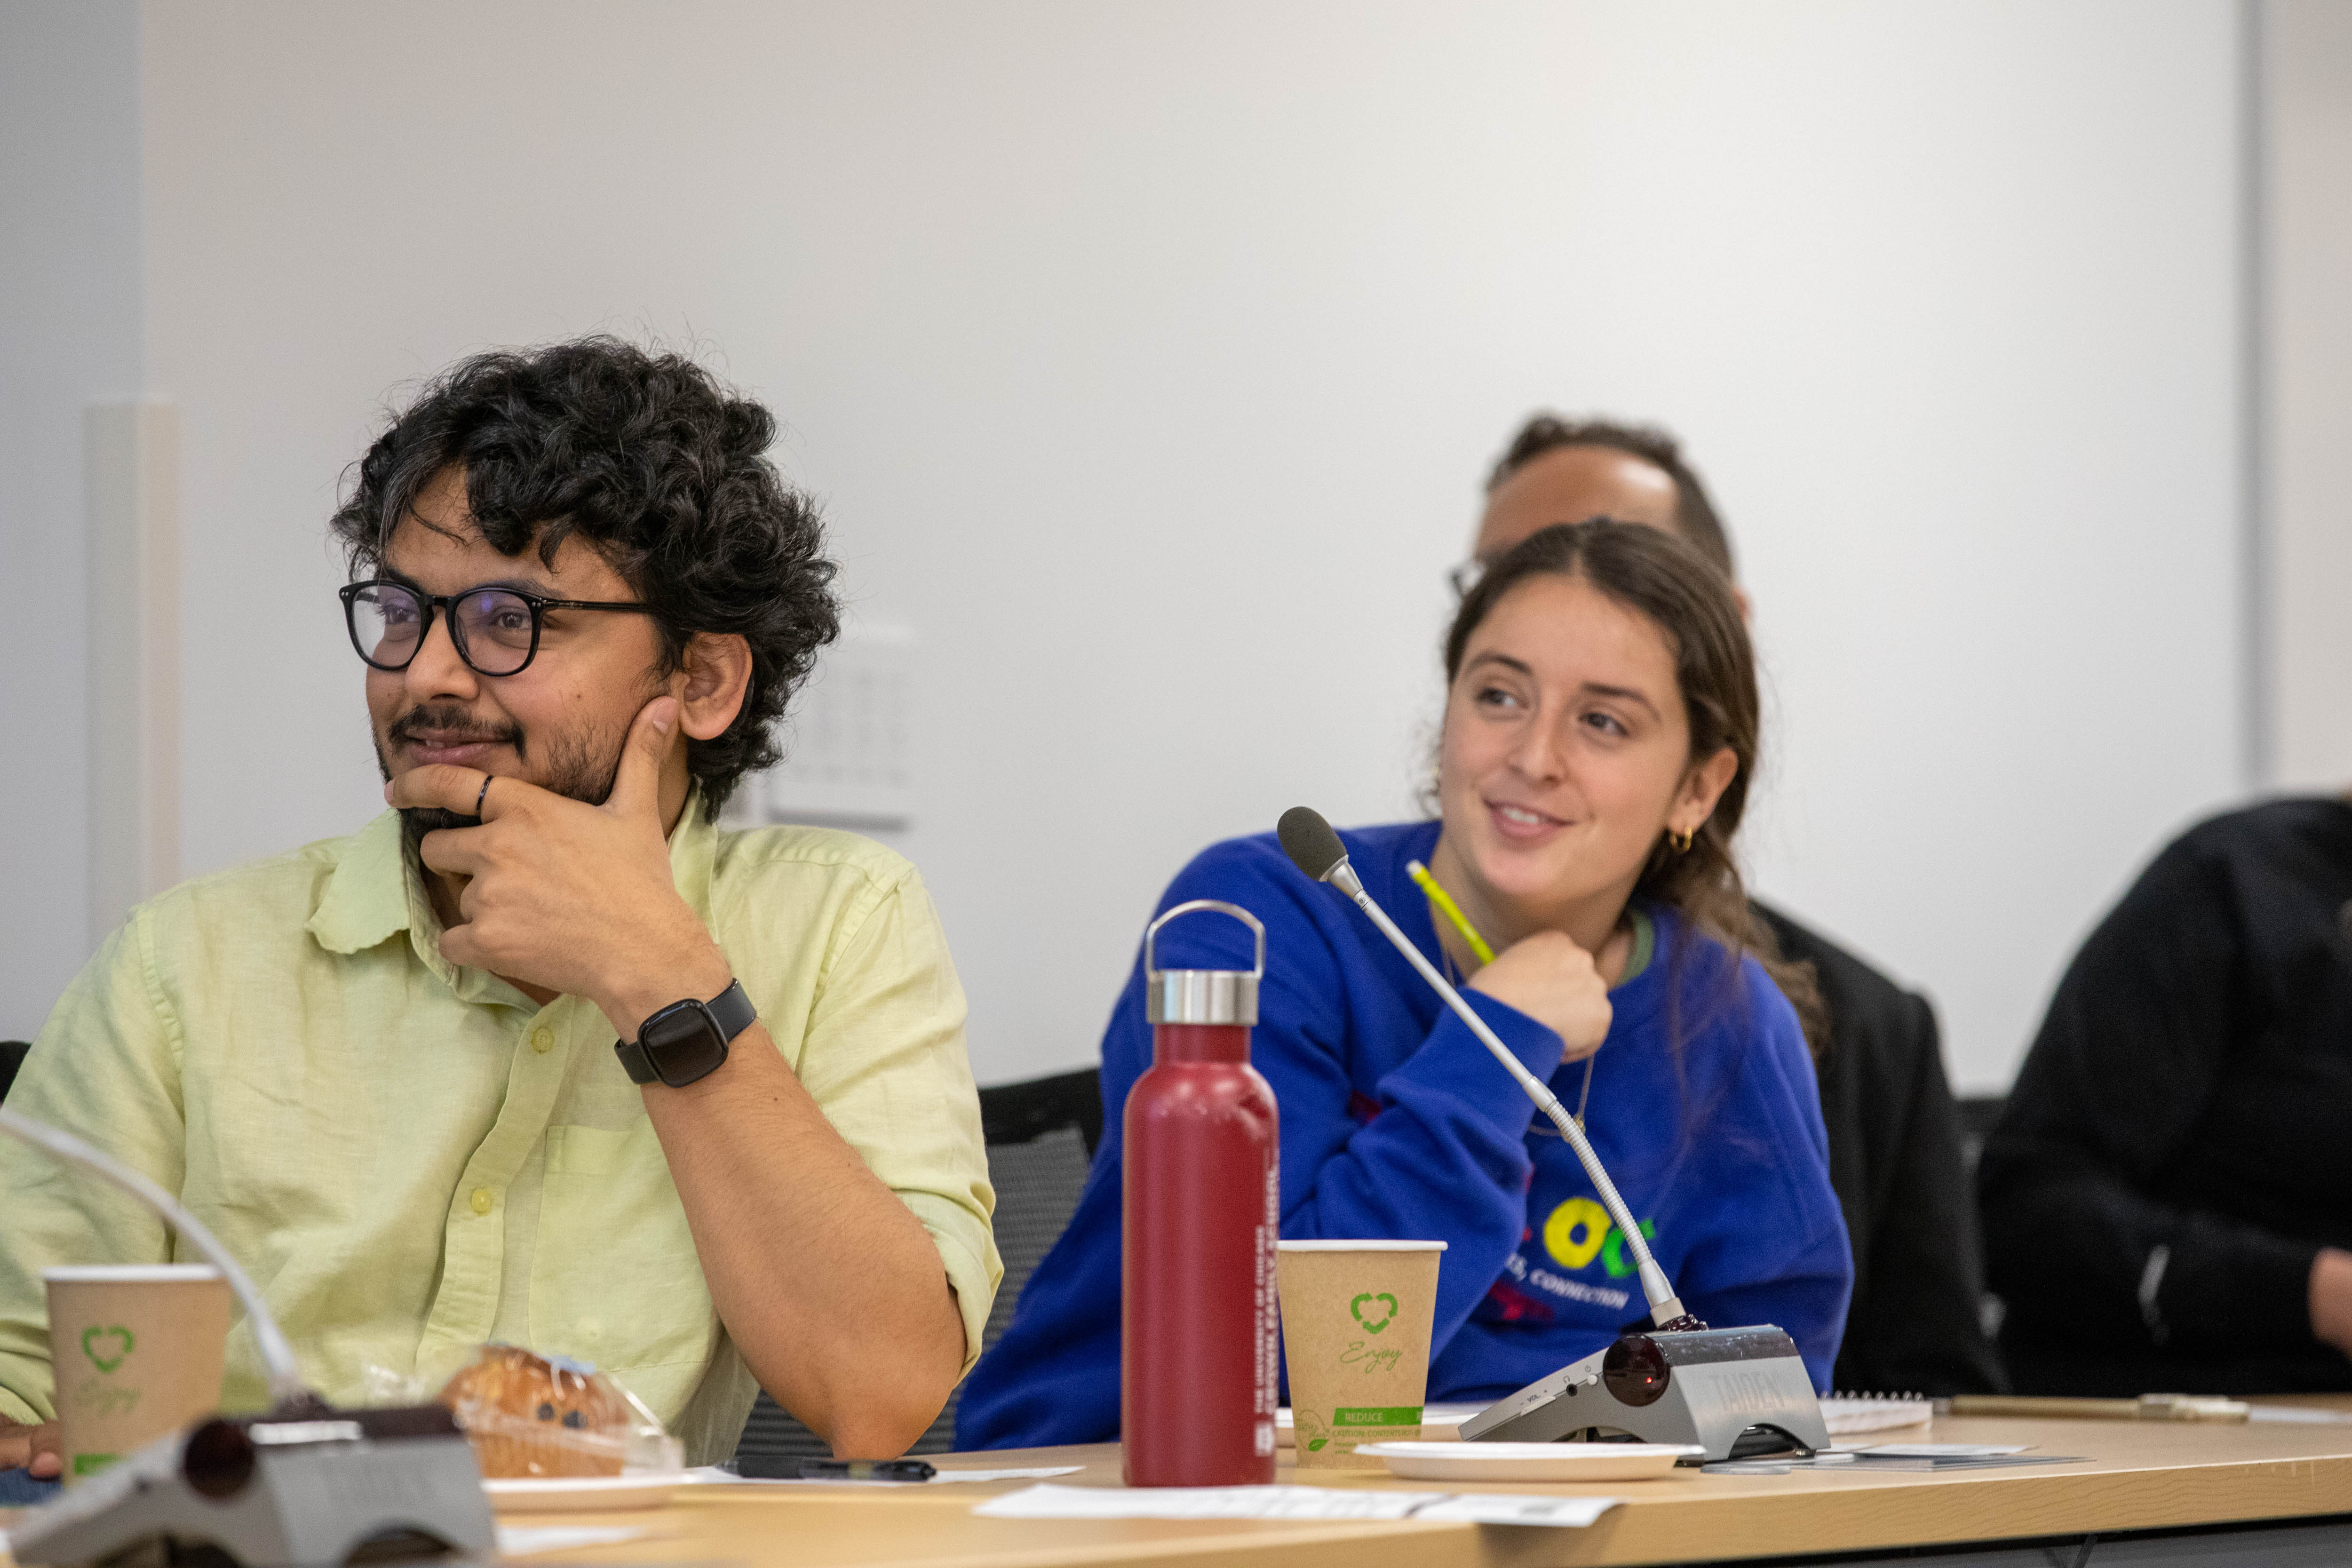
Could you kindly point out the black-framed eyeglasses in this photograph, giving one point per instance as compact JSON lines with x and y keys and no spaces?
{"x":495,"y":630}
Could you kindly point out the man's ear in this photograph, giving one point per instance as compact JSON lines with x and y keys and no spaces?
{"x":716,"y":673}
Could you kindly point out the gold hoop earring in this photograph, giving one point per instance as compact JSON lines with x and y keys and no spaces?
{"x":1681,"y":841}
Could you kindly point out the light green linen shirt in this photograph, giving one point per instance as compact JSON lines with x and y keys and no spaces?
{"x":411,"y":1158}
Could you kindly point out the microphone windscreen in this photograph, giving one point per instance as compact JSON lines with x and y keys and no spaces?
{"x":1310,"y":841}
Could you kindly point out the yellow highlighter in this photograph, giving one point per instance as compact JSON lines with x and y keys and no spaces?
{"x":1452,"y":910}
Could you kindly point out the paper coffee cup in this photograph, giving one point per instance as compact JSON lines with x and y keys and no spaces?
{"x":1355,"y":1335}
{"x":137,"y":1352}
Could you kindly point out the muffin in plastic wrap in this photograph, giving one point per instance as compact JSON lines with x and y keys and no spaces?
{"x":533,"y":1416}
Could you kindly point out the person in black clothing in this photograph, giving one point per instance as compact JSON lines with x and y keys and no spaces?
{"x":1894,"y":1130}
{"x":2166,"y":1193}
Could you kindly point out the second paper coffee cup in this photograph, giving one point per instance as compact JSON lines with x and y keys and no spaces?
{"x":137,"y":1351}
{"x":1356,"y":1320}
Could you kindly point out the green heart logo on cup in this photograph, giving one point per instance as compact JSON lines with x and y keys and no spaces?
{"x":1379,"y":1320}
{"x":122,"y":1343}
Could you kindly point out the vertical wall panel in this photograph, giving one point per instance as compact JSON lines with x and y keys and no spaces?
{"x":134,"y":656}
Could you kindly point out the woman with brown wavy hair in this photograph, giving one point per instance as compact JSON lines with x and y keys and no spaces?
{"x":1600,"y":731}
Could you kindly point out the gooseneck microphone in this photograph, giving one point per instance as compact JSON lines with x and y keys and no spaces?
{"x":1316,"y":849}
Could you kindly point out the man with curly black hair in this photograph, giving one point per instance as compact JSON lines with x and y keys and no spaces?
{"x":542,"y":1056}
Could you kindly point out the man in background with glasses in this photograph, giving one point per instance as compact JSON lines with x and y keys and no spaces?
{"x":1894,"y":1132}
{"x":541,"y":1055}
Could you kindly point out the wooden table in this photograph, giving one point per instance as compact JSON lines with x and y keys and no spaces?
{"x":2141,"y":1476}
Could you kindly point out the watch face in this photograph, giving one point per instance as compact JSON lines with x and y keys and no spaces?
{"x":684,"y":1042}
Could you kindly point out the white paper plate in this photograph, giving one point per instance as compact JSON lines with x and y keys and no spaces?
{"x":584,"y":1494}
{"x":1432,"y":1415}
{"x":1531,"y":1461}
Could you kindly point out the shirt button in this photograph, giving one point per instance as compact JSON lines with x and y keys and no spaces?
{"x":482,"y":1200}
{"x":543,"y":1040}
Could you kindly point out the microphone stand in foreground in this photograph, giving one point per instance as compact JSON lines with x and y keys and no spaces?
{"x":306,"y":1484}
{"x":1736,"y":1393}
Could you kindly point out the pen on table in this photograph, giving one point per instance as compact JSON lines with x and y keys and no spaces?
{"x":1452,"y":910}
{"x":867,"y":1470}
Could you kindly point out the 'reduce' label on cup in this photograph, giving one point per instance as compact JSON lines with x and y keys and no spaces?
{"x":1383,"y":1415}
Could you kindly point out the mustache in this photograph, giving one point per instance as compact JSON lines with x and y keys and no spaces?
{"x":448,"y":725}
{"x":579,"y":766}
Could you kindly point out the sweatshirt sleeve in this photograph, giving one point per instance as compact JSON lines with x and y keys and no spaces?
{"x":1437,"y":1152}
{"x":1806,"y":1296}
{"x":1444,"y":1158}
{"x":2115,"y":1084}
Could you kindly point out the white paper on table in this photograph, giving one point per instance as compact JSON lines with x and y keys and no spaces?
{"x":522,"y":1540}
{"x":1286,"y":1502}
{"x":1884,"y":1457}
{"x":2298,"y":1413}
{"x":1822,"y":1460}
{"x":1497,"y":1508}
{"x":712,"y":1475}
{"x":1843,"y":1414}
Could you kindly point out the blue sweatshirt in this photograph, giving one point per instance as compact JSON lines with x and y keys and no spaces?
{"x":1396,"y":1122}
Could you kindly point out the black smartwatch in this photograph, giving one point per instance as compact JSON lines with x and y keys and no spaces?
{"x":686,"y":1040}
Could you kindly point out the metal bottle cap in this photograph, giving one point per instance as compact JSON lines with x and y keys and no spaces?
{"x":1201,"y":995}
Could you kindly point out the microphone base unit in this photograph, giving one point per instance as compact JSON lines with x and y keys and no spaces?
{"x":290,"y":1490}
{"x":1736,"y":1393}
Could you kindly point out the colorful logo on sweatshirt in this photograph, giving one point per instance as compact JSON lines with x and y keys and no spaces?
{"x":1575,"y":1236}
{"x":1575,"y":1233}
{"x":1579,"y":1231}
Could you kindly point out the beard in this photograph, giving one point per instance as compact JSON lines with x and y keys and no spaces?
{"x":581,"y":765}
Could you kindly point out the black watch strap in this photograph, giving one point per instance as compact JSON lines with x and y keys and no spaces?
{"x":687,"y":1040}
{"x":731,"y":1011}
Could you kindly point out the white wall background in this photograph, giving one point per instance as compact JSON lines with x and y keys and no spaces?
{"x":1147,"y":356}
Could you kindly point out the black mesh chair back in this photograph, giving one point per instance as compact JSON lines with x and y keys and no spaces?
{"x":1041,"y":1139}
{"x":12,"y":1057}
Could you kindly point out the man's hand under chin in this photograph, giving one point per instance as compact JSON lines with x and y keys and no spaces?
{"x":562,"y":897}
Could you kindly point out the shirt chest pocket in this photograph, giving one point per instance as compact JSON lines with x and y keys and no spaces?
{"x":615,"y":1277}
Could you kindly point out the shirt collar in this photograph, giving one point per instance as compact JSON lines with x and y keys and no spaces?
{"x":366,"y":898}
{"x":376,"y":892}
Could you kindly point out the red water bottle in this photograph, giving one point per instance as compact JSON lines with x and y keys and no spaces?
{"x":1198,"y":1317}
